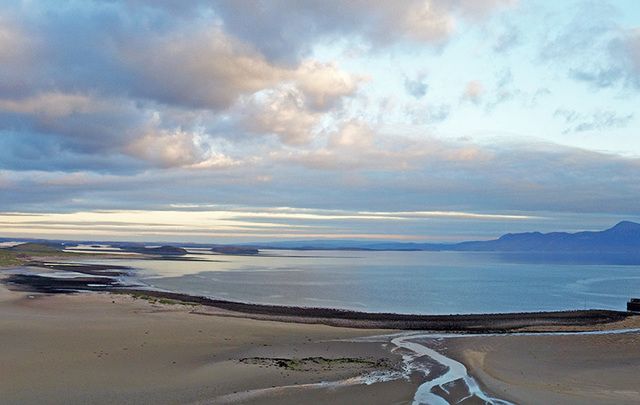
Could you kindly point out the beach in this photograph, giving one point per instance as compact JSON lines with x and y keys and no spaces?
{"x":114,"y":343}
{"x":114,"y":348}
{"x":103,"y":348}
{"x":594,"y":369}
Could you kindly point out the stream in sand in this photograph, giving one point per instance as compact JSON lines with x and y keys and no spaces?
{"x":455,"y":371}
{"x":414,"y":361}
{"x":417,"y":358}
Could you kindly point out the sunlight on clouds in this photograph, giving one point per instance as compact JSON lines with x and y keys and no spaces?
{"x":52,"y":104}
{"x":235,"y":223}
{"x":453,"y":214}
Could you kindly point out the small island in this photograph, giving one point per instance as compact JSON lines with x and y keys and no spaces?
{"x":160,"y":250}
{"x":234,"y":250}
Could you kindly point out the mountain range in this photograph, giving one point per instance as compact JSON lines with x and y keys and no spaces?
{"x":624,"y":237}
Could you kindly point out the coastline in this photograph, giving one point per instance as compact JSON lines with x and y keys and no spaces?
{"x":135,"y":345}
{"x":106,"y":348}
{"x":118,"y":348}
{"x":470,"y":323}
{"x":108,"y":278}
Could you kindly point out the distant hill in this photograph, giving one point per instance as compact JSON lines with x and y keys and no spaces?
{"x":19,"y":254}
{"x":234,"y":250}
{"x":624,"y":237}
{"x":42,"y":248}
{"x":161,"y":250}
{"x":323,"y":244}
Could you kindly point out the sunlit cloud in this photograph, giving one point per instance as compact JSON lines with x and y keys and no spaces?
{"x":240,"y":223}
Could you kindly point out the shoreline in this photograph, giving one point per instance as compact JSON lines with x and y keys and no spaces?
{"x":106,"y":348}
{"x":105,"y":278}
{"x":142,"y":345}
{"x":460,"y":323}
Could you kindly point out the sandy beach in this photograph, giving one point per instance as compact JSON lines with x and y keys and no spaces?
{"x":594,"y":369}
{"x":99,"y":348}
{"x":115,"y":348}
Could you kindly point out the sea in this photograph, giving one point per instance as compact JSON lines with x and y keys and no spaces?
{"x":411,"y":282}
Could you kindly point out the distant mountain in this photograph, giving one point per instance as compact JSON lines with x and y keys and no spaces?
{"x":338,"y":244}
{"x":624,"y":237}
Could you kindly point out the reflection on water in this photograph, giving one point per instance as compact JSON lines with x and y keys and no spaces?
{"x":407,"y":282}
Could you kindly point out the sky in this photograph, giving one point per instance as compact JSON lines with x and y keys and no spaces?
{"x":247,"y":120}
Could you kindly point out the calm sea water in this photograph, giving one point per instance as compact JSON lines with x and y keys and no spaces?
{"x":402,"y":282}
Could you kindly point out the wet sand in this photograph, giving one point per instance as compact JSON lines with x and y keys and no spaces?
{"x":99,"y":348}
{"x":557,"y":369}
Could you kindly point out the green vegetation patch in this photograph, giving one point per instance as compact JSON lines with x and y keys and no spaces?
{"x":156,"y":300}
{"x":23,"y":253}
{"x":36,"y":249}
{"x":8,"y":258}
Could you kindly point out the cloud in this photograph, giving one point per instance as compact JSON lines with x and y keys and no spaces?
{"x":426,"y":114}
{"x":148,"y":84}
{"x":508,"y":39}
{"x":176,"y":149}
{"x":473,"y":91}
{"x":394,"y":174}
{"x":142,"y":89}
{"x":353,"y":134}
{"x":595,"y":49}
{"x":357,"y":146}
{"x":209,"y":69}
{"x":202,"y":69}
{"x":625,"y":59}
{"x":578,"y":122}
{"x":14,"y":44}
{"x":293,"y":111}
{"x":52,"y":104}
{"x":416,"y":87}
{"x":247,"y":222}
{"x":287,"y":29}
{"x":104,"y":105}
{"x":281,"y":112}
{"x":324,"y":85}
{"x":74,"y":131}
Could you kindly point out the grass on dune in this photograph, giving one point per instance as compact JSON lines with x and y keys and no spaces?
{"x":20,"y":254}
{"x":8,"y":258}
